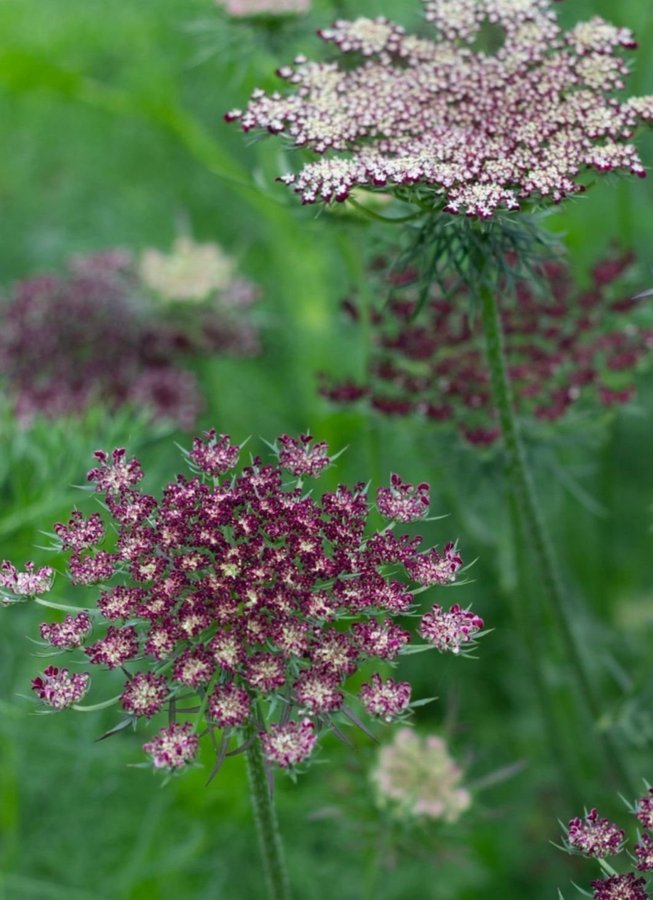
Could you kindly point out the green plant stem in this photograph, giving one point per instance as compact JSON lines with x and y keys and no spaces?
{"x":267,"y":824}
{"x":536,"y":536}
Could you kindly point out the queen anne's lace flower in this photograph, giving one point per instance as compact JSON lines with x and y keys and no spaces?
{"x":567,"y":348}
{"x":479,"y":130}
{"x":97,"y":334}
{"x":415,"y":776}
{"x":240,"y":600}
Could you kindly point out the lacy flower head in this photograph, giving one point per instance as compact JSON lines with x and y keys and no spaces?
{"x":245,"y":8}
{"x":238,"y":605}
{"x":415,"y":777}
{"x":474,"y":130}
{"x":567,"y":349}
{"x":97,"y":334}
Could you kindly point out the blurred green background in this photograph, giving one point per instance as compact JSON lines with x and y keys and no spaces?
{"x":112,"y":136}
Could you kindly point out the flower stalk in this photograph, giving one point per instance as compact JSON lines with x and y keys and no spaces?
{"x":267,"y":825}
{"x":535,"y":532}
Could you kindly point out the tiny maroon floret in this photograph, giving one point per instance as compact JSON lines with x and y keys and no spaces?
{"x":318,"y":691}
{"x":115,"y":473}
{"x":299,"y":458}
{"x":403,"y":502}
{"x":434,"y":567}
{"x":144,"y":694}
{"x":594,"y":836}
{"x":385,"y":699}
{"x":70,"y":633}
{"x":80,"y":533}
{"x":229,"y":705}
{"x":58,"y":688}
{"x":118,"y":646}
{"x":214,"y":455}
{"x":29,"y":583}
{"x":173,"y":747}
{"x":450,"y":630}
{"x":290,"y":744}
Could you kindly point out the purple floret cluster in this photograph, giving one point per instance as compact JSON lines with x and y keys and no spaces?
{"x":568,"y":348}
{"x":597,"y":838}
{"x":246,"y":603}
{"x":96,"y":334}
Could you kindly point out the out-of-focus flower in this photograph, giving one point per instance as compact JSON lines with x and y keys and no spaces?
{"x":415,"y":776}
{"x":190,"y":272}
{"x":243,"y":596}
{"x":244,"y":8}
{"x":567,"y":348}
{"x":99,"y":333}
{"x":472,"y":130}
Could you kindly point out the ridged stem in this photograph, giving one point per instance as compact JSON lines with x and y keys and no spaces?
{"x":536,"y":535}
{"x":267,"y":825}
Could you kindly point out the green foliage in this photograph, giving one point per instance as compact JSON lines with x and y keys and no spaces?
{"x":112,"y":135}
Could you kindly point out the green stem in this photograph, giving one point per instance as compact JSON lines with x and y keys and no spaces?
{"x":267,"y":824}
{"x":522,"y":487}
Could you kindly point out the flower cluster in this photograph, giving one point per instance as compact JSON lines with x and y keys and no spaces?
{"x":594,"y":836}
{"x":245,"y":8}
{"x":565,"y":347}
{"x":244,"y":592}
{"x":475,"y":130}
{"x":415,"y":776}
{"x":597,"y":838}
{"x":58,"y":688}
{"x":99,"y":332}
{"x":16,"y":586}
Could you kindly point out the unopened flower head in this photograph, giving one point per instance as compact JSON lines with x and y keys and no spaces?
{"x":244,"y":8}
{"x":568,"y":348}
{"x":474,"y":130}
{"x":97,"y":334}
{"x":246,"y":598}
{"x":416,"y":777}
{"x":594,"y":836}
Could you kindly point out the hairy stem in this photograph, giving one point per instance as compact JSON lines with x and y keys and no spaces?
{"x":267,"y":824}
{"x":535,"y":532}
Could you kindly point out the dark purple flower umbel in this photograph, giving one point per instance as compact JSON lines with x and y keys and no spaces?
{"x":102,"y":333}
{"x":240,"y":602}
{"x":475,"y":130}
{"x":567,"y":348}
